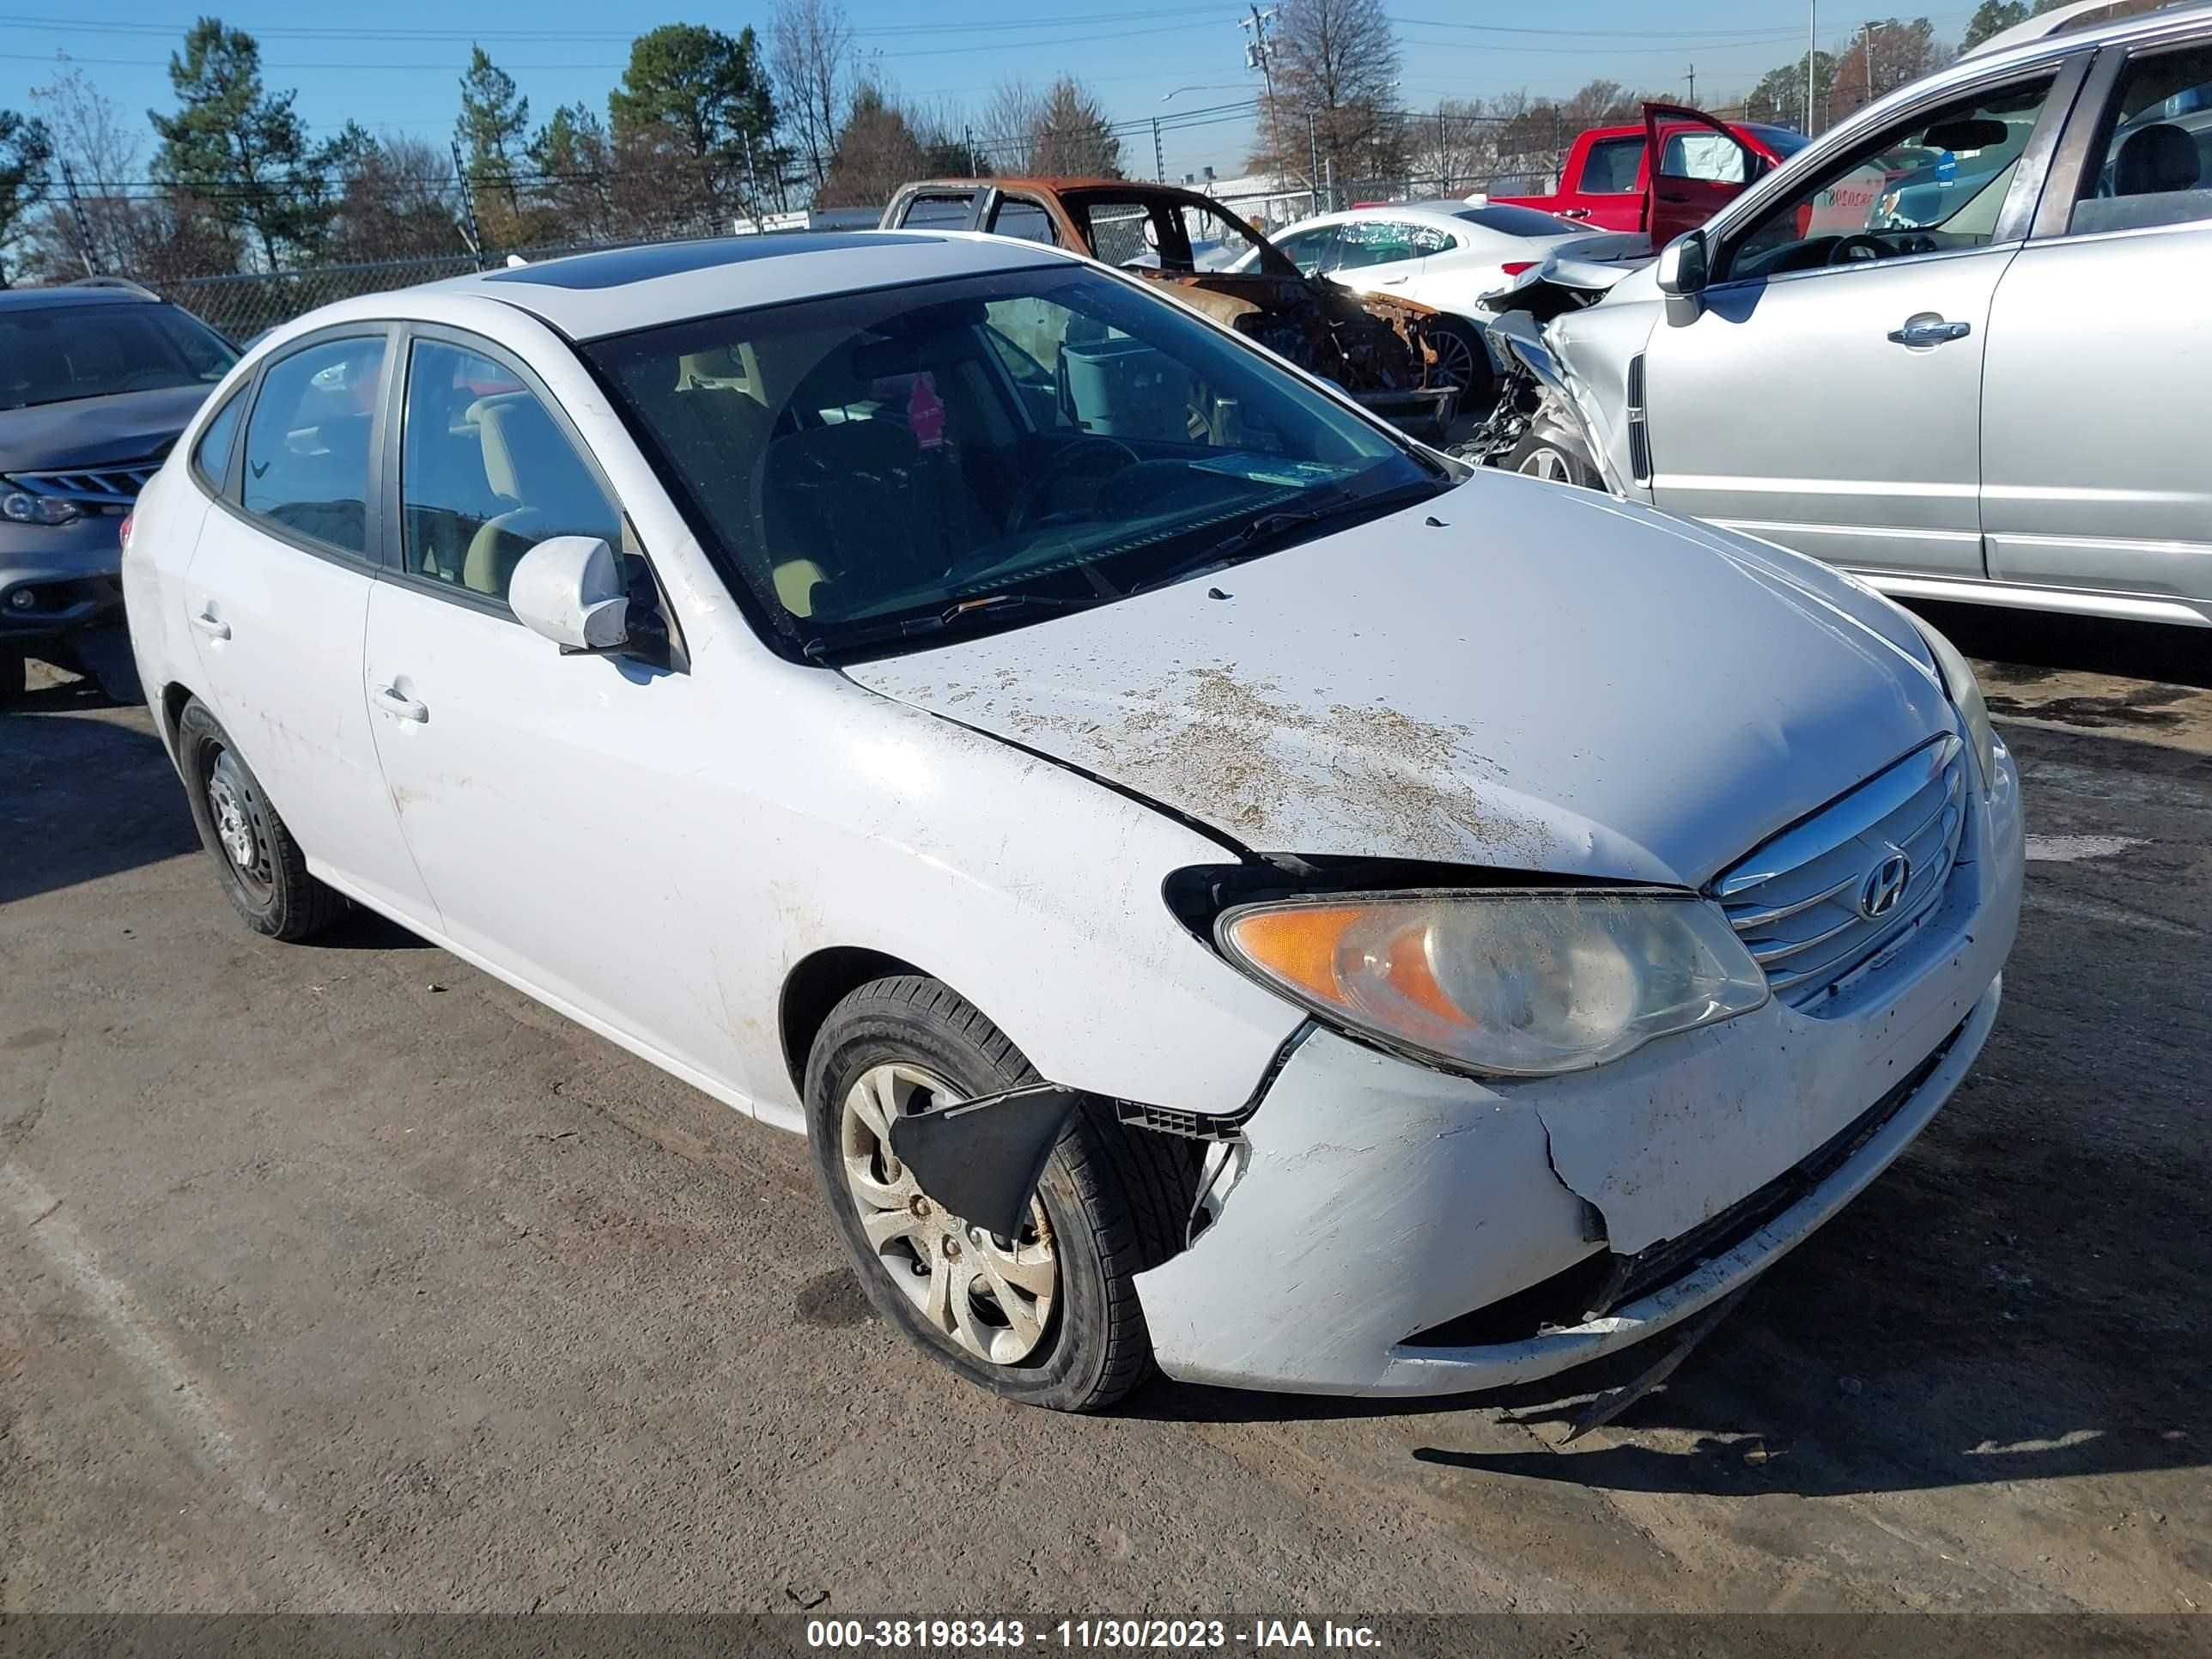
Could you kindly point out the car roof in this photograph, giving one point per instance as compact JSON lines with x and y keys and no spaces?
{"x":71,"y":293}
{"x":590,"y":295}
{"x":2088,"y":22}
{"x":1443,"y":213}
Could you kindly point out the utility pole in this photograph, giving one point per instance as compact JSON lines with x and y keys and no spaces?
{"x":1256,"y":56}
{"x":1870,"y":28}
{"x":1312,"y":160}
{"x":1159,"y":156}
{"x":1812,"y":50}
{"x":82,"y":220}
{"x":968,"y":144}
{"x":752,"y":182}
{"x":1692,"y":99}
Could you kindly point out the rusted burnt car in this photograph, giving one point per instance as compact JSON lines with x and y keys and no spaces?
{"x":1372,"y":346}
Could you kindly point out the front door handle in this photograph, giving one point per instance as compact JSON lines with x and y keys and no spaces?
{"x":1928,"y":329}
{"x":398,"y":704}
{"x":210,"y":624}
{"x":1393,"y":281}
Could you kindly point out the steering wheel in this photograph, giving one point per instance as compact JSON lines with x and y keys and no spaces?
{"x":1092,"y":455}
{"x":1857,"y":249}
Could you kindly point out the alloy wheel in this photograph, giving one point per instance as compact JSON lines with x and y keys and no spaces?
{"x":991,"y":1295}
{"x":1547,"y":464}
{"x":1455,"y":358}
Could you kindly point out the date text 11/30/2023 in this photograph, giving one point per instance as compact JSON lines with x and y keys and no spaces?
{"x":1084,"y":1635}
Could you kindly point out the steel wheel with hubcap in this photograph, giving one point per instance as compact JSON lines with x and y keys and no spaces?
{"x":993,"y":1295}
{"x":1050,"y":1316}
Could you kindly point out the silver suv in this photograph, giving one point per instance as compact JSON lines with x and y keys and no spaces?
{"x":1930,"y":348}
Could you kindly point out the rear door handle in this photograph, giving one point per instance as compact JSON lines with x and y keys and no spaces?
{"x":1928,"y":329}
{"x":1574,"y":213}
{"x":210,"y":624}
{"x":398,"y":704}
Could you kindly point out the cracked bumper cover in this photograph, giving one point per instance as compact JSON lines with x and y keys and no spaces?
{"x":1382,"y":1199}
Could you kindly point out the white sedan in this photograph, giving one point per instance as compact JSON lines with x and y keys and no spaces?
{"x":1445,"y":254}
{"x":1221,"y":887}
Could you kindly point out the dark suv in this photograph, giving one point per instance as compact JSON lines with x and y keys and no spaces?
{"x":97,"y":379}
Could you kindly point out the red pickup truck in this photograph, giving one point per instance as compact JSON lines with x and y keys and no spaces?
{"x":1608,"y":182}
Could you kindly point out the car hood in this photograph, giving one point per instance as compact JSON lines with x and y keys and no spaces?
{"x":1513,"y":675}
{"x":131,"y":426}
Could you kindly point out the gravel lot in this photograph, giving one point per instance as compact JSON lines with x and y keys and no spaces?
{"x":343,"y":1277}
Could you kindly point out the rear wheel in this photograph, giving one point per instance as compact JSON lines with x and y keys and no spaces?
{"x":1558,"y":460}
{"x":262,"y":872}
{"x":1048,"y":1316}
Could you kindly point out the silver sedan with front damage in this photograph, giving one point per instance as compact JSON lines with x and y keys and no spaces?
{"x":1943,"y":346}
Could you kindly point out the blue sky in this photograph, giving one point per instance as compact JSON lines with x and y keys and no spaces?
{"x":394,"y":65}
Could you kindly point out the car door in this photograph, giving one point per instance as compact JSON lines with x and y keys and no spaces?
{"x":1608,"y":188}
{"x":277,"y":596}
{"x":1376,"y":256}
{"x":2103,"y":314}
{"x":541,"y":793}
{"x":1827,"y":393}
{"x":1701,"y":168}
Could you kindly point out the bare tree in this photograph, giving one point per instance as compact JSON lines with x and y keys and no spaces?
{"x":399,"y":198}
{"x":107,"y":161}
{"x":1333,"y":70}
{"x":1010,"y":120}
{"x":812,"y":66}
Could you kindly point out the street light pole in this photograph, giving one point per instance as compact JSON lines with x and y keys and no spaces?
{"x":1870,"y":28}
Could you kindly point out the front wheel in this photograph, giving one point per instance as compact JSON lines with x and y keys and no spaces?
{"x":1464,"y":362}
{"x":1558,"y":460}
{"x":262,"y":872}
{"x":1048,"y":1316}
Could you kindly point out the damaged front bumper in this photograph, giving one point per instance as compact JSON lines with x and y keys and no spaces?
{"x":1397,"y":1230}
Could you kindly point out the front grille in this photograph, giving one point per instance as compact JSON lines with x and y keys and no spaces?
{"x":113,"y":488}
{"x":1808,"y":904}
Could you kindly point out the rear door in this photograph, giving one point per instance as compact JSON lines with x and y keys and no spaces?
{"x":276,"y":596}
{"x":1697,"y":168}
{"x":2093,"y":468}
{"x":1604,"y":183}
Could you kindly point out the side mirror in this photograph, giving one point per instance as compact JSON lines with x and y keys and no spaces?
{"x":568,"y":589}
{"x":1682,"y":265}
{"x":1681,"y":276}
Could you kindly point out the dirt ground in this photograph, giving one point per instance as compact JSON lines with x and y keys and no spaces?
{"x":342,"y":1277}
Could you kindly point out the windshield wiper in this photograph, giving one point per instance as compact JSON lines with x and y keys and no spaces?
{"x":908,"y":628}
{"x":1269,"y":526}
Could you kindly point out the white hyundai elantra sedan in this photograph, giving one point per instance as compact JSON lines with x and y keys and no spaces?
{"x":1220,"y":886}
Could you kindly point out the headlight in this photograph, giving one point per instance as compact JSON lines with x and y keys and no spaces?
{"x":1520,"y":982}
{"x":1965,"y":694}
{"x":20,"y":507}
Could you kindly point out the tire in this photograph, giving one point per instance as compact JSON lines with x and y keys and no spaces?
{"x":1464,"y":360}
{"x":262,"y":869}
{"x":1114,"y":1201}
{"x":1561,"y":460}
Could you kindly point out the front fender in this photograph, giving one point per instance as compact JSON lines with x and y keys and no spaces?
{"x":1568,"y":405}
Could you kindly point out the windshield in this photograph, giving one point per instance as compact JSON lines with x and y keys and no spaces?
{"x":981,"y":452}
{"x":52,"y":355}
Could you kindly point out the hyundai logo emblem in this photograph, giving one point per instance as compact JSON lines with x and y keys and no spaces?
{"x":1884,"y":885}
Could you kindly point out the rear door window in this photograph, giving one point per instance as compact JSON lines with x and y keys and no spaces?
{"x":307,"y":442}
{"x":1612,"y":167}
